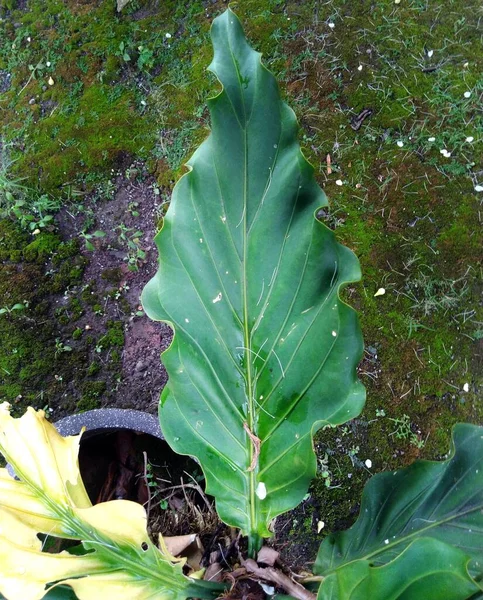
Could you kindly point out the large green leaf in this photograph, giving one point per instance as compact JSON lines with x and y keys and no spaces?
{"x":264,"y":349}
{"x":438,"y":500}
{"x":410,"y":576}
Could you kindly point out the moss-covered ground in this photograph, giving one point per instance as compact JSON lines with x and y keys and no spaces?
{"x":389,"y":98}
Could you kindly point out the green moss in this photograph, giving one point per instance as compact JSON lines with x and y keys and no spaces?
{"x":10,"y":391}
{"x":87,"y":403}
{"x":26,"y":359}
{"x":77,"y":333}
{"x":8,"y":4}
{"x":68,"y":274}
{"x":93,"y":369}
{"x":75,"y":310}
{"x":113,"y":275}
{"x":115,"y":357}
{"x":100,"y":127}
{"x":97,"y":308}
{"x":44,"y":244}
{"x":66,"y":250}
{"x":18,"y":283}
{"x":124,"y":305}
{"x":114,"y":337}
{"x":112,"y":68}
{"x":12,"y":240}
{"x":63,"y":319}
{"x":92,"y":392}
{"x":89,"y":295}
{"x":93,"y":389}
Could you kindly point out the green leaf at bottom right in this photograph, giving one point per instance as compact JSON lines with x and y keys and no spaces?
{"x":427,"y":570}
{"x":419,"y":534}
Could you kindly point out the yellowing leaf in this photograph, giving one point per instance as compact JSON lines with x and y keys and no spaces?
{"x":118,"y":586}
{"x":21,"y":510}
{"x":121,"y":561}
{"x":40,"y":455}
{"x":25,"y":572}
{"x":121,"y":520}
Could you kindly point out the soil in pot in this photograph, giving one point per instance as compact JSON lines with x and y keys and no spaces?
{"x":127,"y":465}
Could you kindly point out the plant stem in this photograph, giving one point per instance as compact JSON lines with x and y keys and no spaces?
{"x":254,"y":544}
{"x":207,"y":590}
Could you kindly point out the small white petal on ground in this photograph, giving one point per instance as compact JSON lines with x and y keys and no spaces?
{"x":339,"y":182}
{"x":467,"y":94}
{"x":320,"y":526}
{"x":478,"y":188}
{"x":268,"y":589}
{"x":431,"y":139}
{"x":368,"y":463}
{"x":400,"y":143}
{"x":380,"y":292}
{"x":469,"y":139}
{"x":466,"y":387}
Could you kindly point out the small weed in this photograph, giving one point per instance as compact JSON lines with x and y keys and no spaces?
{"x":60,"y":347}
{"x":123,"y":52}
{"x":34,"y":214}
{"x":325,"y":471}
{"x":130,"y":237}
{"x":430,"y":293}
{"x":150,"y":477}
{"x":133,"y":209}
{"x":7,"y":310}
{"x":404,"y":431}
{"x":87,"y":237}
{"x":174,"y":144}
{"x":414,"y":326}
{"x":352,"y":454}
{"x":145,"y":60}
{"x":145,"y":56}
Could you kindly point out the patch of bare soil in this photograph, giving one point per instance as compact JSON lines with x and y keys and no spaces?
{"x":120,"y":341}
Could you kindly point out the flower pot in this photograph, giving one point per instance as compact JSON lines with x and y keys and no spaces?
{"x":103,"y":420}
{"x":116,"y":452}
{"x":123,"y":455}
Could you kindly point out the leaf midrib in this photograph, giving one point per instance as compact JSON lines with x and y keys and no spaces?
{"x":405,"y":540}
{"x":419,"y":532}
{"x":246,"y":334}
{"x":87,"y":535}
